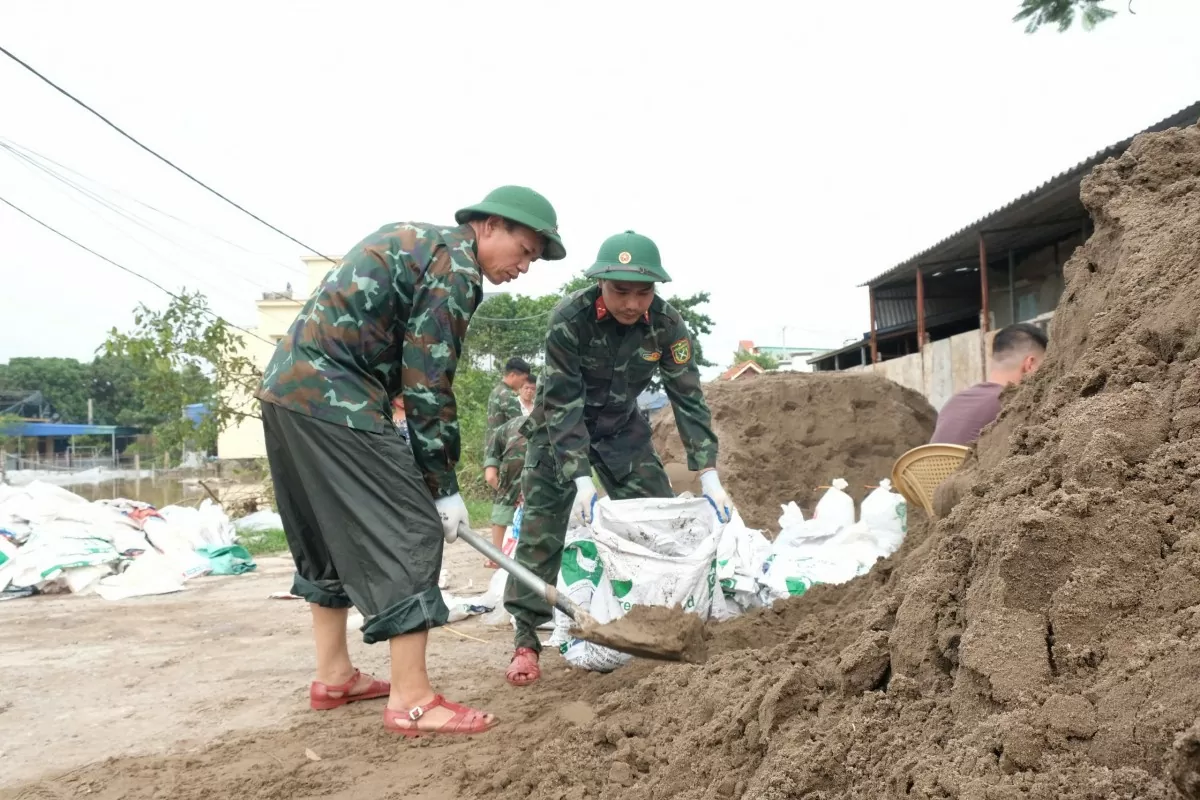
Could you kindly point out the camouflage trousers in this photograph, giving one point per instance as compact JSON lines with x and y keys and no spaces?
{"x":547,"y":511}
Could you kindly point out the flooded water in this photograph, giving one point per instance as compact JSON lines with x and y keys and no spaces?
{"x":158,"y":492}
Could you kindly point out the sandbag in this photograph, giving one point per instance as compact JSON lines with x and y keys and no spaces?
{"x":652,"y":551}
{"x":835,"y":508}
{"x":824,"y":549}
{"x":740,"y":556}
{"x":790,"y":574}
{"x":886,"y":513}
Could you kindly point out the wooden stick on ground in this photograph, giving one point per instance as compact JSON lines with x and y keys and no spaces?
{"x":463,"y":635}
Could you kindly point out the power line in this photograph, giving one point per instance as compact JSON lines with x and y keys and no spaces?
{"x":511,"y":319}
{"x":132,"y":272}
{"x":120,"y":212}
{"x":163,"y":159}
{"x":32,"y":156}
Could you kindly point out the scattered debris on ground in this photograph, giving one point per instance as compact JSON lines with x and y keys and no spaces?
{"x":52,"y":540}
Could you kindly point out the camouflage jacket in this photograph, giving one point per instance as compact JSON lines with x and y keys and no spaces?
{"x":596,"y":368}
{"x":506,"y":452}
{"x":389,"y":319}
{"x":503,"y":405}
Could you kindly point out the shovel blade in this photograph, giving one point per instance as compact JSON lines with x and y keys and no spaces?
{"x":654,"y":632}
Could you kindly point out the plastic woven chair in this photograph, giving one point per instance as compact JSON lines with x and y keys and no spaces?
{"x":921,"y":470}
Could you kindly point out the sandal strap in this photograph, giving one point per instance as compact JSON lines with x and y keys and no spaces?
{"x":344,"y":688}
{"x":416,"y":712}
{"x":464,"y":719}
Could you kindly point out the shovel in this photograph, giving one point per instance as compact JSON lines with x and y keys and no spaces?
{"x":623,"y":634}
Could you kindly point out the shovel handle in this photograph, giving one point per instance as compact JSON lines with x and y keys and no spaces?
{"x":525,"y":577}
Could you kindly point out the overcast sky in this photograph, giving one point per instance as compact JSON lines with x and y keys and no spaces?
{"x":779,"y":153}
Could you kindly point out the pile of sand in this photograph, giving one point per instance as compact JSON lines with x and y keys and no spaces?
{"x":783,"y":436}
{"x":1043,"y":641}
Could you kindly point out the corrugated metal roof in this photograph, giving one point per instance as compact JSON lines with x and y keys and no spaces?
{"x":1187,"y":116}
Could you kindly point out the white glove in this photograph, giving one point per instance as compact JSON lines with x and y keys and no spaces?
{"x":716,"y":494}
{"x":585,"y":500}
{"x":454,"y":515}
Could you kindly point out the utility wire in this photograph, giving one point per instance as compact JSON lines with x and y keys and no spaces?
{"x":511,"y":319}
{"x":163,"y":159}
{"x":33,"y":156}
{"x":123,"y":268}
{"x":120,"y":212}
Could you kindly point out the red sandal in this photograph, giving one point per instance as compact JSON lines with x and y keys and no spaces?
{"x":466,"y":721}
{"x":524,"y":662}
{"x":322,"y":696}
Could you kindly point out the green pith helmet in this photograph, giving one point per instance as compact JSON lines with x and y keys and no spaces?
{"x":525,"y":206}
{"x":629,"y":256}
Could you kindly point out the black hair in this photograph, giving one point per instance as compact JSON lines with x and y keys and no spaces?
{"x":479,"y":216}
{"x":517,"y":366}
{"x":1021,"y":336}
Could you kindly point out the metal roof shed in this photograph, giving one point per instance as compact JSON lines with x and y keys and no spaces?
{"x":963,"y":266}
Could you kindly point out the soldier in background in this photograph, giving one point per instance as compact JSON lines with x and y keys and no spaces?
{"x":365,"y":514}
{"x":502,"y":468}
{"x":603,"y":346}
{"x":503,"y":403}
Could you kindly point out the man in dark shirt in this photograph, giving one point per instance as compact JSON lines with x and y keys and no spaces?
{"x":1017,"y":351}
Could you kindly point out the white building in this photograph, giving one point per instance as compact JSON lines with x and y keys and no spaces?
{"x":791,"y":359}
{"x":276,"y":312}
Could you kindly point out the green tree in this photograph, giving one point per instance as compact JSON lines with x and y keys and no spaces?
{"x":1063,"y":13}
{"x":471,"y":389}
{"x":510,"y":325}
{"x":765,"y":361}
{"x":181,"y":355}
{"x":699,"y":323}
{"x":68,"y":384}
{"x":572,"y":286}
{"x":116,"y":400}
{"x":63,"y":381}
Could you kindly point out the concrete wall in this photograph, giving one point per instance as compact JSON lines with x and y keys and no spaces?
{"x":945,"y":367}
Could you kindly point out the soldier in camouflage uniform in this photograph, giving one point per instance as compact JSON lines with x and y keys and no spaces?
{"x":503,"y":405}
{"x":603,"y":346}
{"x":366,"y":515}
{"x":502,"y":467}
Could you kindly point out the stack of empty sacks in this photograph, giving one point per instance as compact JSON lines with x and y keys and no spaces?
{"x":52,"y":540}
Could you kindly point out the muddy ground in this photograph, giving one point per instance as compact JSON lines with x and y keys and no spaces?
{"x":204,"y":694}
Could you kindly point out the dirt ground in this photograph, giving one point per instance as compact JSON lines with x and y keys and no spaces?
{"x":204,"y":694}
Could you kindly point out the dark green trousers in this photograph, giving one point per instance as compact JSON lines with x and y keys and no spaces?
{"x":548,"y":503}
{"x":360,"y":523}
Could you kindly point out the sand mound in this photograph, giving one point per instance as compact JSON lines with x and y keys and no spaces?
{"x":782,"y":436}
{"x":1043,"y":641}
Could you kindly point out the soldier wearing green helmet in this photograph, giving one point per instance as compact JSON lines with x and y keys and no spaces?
{"x":603,"y":346}
{"x":366,"y":516}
